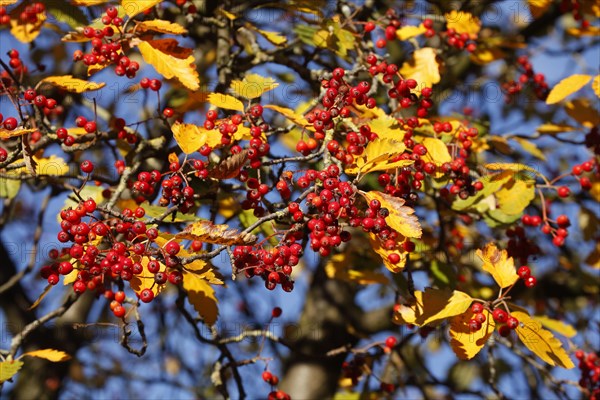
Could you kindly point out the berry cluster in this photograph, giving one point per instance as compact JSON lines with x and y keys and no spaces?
{"x":537,"y":81}
{"x":391,"y":22}
{"x":589,"y":365}
{"x":19,"y":69}
{"x":106,"y":48}
{"x":507,"y":321}
{"x":575,"y":7}
{"x":559,"y":232}
{"x":578,"y":171}
{"x":174,"y":191}
{"x":461,"y":41}
{"x":273,"y":380}
{"x":31,"y":14}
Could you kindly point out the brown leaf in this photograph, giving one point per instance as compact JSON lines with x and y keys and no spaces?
{"x":206,"y":231}
{"x":230,"y":167}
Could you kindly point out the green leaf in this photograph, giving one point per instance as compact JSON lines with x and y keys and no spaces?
{"x":64,"y":12}
{"x":9,"y":188}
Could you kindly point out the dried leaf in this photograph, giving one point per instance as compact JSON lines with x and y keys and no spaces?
{"x":253,"y":86}
{"x":19,"y":131}
{"x":73,"y":85}
{"x":206,"y":231}
{"x":169,"y":65}
{"x":401,"y":218}
{"x":135,"y":7}
{"x":432,"y":305}
{"x":463,"y":22}
{"x":159,"y":25}
{"x":498,"y":264}
{"x":467,"y":344}
{"x":230,"y":167}
{"x":49,"y":354}
{"x":201,"y":295}
{"x":541,"y":342}
{"x":423,"y":67}
{"x":191,"y":137}
{"x":567,"y":87}
{"x":225,"y":101}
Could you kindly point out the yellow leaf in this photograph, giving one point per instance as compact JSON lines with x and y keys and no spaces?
{"x":206,"y":231}
{"x":41,"y":297}
{"x":437,"y":151}
{"x":591,"y":30}
{"x":274,"y":37}
{"x":593,"y":259}
{"x":253,"y":86}
{"x":201,"y":295}
{"x":596,"y":85}
{"x":555,"y":128}
{"x":377,"y":156}
{"x":567,"y":87}
{"x":538,"y":7}
{"x":515,"y":196}
{"x":433,"y":305}
{"x":70,"y":84}
{"x":88,"y":3}
{"x":467,"y":344}
{"x":191,"y":137}
{"x":401,"y":218}
{"x":561,"y":327}
{"x":386,"y":127}
{"x":541,"y":342}
{"x":169,"y":66}
{"x":145,"y":279}
{"x":4,"y":3}
{"x":423,"y":68}
{"x":384,"y":253}
{"x":159,"y":25}
{"x":410,"y":31}
{"x":19,"y":131}
{"x":26,"y":32}
{"x":227,"y":14}
{"x":135,"y":7}
{"x":225,"y":101}
{"x":297,"y":119}
{"x":584,"y":112}
{"x":339,"y":266}
{"x":485,"y":55}
{"x":49,"y":354}
{"x":8,"y":369}
{"x":498,"y":264}
{"x":510,"y":167}
{"x":463,"y":22}
{"x":531,"y":148}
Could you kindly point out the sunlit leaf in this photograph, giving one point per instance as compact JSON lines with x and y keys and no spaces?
{"x":467,"y":344}
{"x":590,"y":30}
{"x":159,"y":25}
{"x":567,"y":87}
{"x":423,"y":67}
{"x":274,"y":37}
{"x":541,"y":342}
{"x":9,"y":188}
{"x":8,"y":369}
{"x":497,"y":263}
{"x":206,"y":231}
{"x":191,"y":137}
{"x":531,"y":148}
{"x":253,"y":86}
{"x":170,"y":65}
{"x":70,"y":84}
{"x":4,"y":3}
{"x":135,"y":7}
{"x":555,"y":128}
{"x":596,"y":85}
{"x":25,"y":32}
{"x":201,"y":295}
{"x":385,"y":126}
{"x":516,"y":167}
{"x":401,"y":217}
{"x":515,"y":196}
{"x":377,"y":157}
{"x":384,"y":253}
{"x":297,"y":119}
{"x":437,"y":151}
{"x":410,"y":31}
{"x":225,"y":101}
{"x":49,"y":354}
{"x":341,"y":266}
{"x":463,"y":22}
{"x":432,"y":305}
{"x":557,"y":326}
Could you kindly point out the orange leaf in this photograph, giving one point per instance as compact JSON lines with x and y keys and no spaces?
{"x":206,"y":231}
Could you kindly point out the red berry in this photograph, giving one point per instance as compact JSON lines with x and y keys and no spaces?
{"x":155,"y":85}
{"x":524,"y":272}
{"x":530,"y":281}
{"x":172,"y":248}
{"x":120,"y":296}
{"x":147,"y":295}
{"x":119,"y":311}
{"x":10,"y":123}
{"x":276,"y":312}
{"x":563,"y":191}
{"x":512,"y":322}
{"x":369,"y":26}
{"x":500,"y":315}
{"x":87,"y":166}
{"x":477,"y":308}
{"x":391,"y":342}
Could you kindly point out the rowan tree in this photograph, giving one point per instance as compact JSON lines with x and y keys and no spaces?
{"x":299,"y":199}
